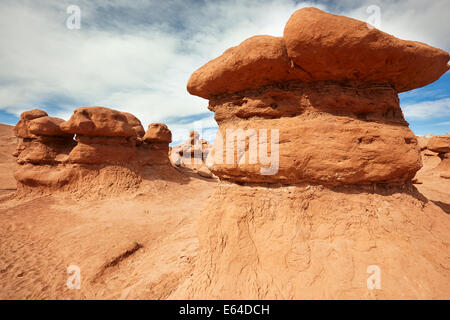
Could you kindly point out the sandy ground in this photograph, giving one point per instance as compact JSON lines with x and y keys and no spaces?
{"x":135,"y":246}
{"x":139,"y":245}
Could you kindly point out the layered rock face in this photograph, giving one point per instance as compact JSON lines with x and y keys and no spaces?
{"x":441,"y":145}
{"x":316,"y":162}
{"x":328,"y":90}
{"x":155,"y":145}
{"x":192,"y":154}
{"x":103,"y":136}
{"x":53,"y":152}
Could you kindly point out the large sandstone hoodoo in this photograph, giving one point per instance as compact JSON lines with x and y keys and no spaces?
{"x":323,"y":162}
{"x":96,"y":142}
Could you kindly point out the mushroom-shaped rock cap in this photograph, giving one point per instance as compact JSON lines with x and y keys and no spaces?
{"x":257,"y":61}
{"x":98,"y":121}
{"x":194,"y":135}
{"x":46,"y":126}
{"x":21,"y":128}
{"x":440,"y":144}
{"x":33,"y":114}
{"x":331,"y":47}
{"x":158,"y":133}
{"x":318,"y":46}
{"x":135,"y":123}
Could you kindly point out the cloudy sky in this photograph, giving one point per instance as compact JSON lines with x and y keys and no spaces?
{"x":137,"y":56}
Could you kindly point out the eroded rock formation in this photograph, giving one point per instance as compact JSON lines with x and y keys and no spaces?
{"x":95,"y":141}
{"x":316,"y":189}
{"x":329,"y":86}
{"x":192,"y":154}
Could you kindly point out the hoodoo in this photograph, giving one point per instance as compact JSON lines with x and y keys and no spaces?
{"x":441,"y":145}
{"x":329,"y":86}
{"x":322,"y":103}
{"x":192,"y":154}
{"x":96,"y":143}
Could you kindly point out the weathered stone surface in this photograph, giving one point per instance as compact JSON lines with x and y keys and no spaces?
{"x":155,"y":153}
{"x":257,"y":61}
{"x":47,"y":126}
{"x":44,"y":150}
{"x":318,"y":46}
{"x":21,"y":128}
{"x":135,"y":123}
{"x":328,"y":134}
{"x":158,"y":133}
{"x":338,"y":48}
{"x":99,"y":121}
{"x":317,"y":243}
{"x":192,"y":154}
{"x":439,"y":144}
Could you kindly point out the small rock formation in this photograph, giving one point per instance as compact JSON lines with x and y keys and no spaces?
{"x":441,"y":145}
{"x":96,"y":141}
{"x":8,"y":145}
{"x":41,"y":139}
{"x":155,"y":145}
{"x":316,"y":160}
{"x":192,"y":154}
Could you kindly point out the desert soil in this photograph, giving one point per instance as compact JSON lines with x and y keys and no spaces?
{"x":141,"y":244}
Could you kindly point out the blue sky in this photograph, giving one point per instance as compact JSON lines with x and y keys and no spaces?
{"x":137,"y":56}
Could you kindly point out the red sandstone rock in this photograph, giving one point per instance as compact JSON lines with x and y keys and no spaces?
{"x":103,"y":136}
{"x":33,"y":114}
{"x":47,"y":126}
{"x":338,"y":48}
{"x":257,"y":61}
{"x":158,"y":133}
{"x":330,"y":87}
{"x":439,"y":144}
{"x":318,"y":46}
{"x":422,"y":142}
{"x":44,"y":150}
{"x":192,"y":154}
{"x":328,"y":134}
{"x":99,"y":121}
{"x":21,"y":128}
{"x":102,"y":153}
{"x":135,"y":123}
{"x":41,"y":139}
